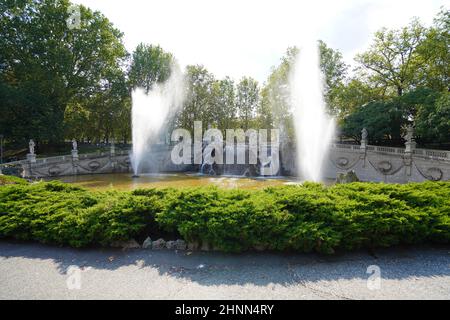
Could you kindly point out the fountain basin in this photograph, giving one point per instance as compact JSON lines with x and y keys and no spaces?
{"x":127,"y":181}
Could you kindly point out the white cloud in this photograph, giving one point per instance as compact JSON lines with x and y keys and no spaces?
{"x":237,"y":38}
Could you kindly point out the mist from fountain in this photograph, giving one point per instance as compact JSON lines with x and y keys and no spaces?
{"x":314,"y":128}
{"x":150,"y":111}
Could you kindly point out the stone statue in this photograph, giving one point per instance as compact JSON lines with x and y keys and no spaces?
{"x":409,"y":136}
{"x":113,"y":147}
{"x":31,"y":145}
{"x":364,"y":134}
{"x":347,"y":177}
{"x":74,"y":145}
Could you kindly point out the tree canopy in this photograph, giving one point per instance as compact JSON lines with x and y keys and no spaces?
{"x":59,"y":82}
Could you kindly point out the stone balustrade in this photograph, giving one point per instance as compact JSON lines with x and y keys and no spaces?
{"x":370,"y":163}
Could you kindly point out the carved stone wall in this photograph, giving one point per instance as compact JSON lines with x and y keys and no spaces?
{"x":370,"y":163}
{"x":387,"y":164}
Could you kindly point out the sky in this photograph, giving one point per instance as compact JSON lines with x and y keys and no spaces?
{"x":247,"y":37}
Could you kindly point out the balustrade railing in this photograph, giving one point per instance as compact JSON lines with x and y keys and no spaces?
{"x":436,"y":154}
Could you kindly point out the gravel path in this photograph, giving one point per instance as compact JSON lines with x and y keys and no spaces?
{"x":33,"y":271}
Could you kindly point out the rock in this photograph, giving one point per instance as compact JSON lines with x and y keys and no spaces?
{"x":193,"y":246}
{"x":348,"y":177}
{"x":180,"y":245}
{"x":147,"y":243}
{"x":170,"y":245}
{"x":130,"y":244}
{"x":159,"y":244}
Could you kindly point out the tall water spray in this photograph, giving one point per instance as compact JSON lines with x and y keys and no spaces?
{"x":150,"y":112}
{"x":313,"y":127}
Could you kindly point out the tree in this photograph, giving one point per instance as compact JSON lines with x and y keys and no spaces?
{"x":348,"y":97}
{"x":335,"y":71}
{"x":247,"y":97}
{"x":393,"y":59}
{"x":223,"y":107}
{"x":45,"y":65}
{"x":433,"y":119}
{"x":275,"y":108}
{"x":275,"y":93}
{"x":382,"y":119}
{"x":150,"y":64}
{"x":197,"y":105}
{"x":435,"y":53}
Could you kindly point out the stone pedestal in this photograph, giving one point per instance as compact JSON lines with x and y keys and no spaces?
{"x":410,"y":147}
{"x":363,"y":152}
{"x":409,"y":151}
{"x":363,"y":145}
{"x":75,"y":155}
{"x":31,"y":157}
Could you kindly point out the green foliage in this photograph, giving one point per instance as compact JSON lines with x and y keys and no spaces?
{"x":435,"y":53}
{"x":393,"y":59}
{"x":309,"y":217}
{"x":334,"y":69}
{"x":382,"y":119}
{"x":275,"y":107}
{"x":150,"y":65}
{"x":433,"y":120}
{"x":427,"y":109}
{"x":223,"y":106}
{"x":76,"y":83}
{"x":11,"y":180}
{"x":44,"y":65}
{"x":247,"y":97}
{"x":66,"y":215}
{"x":404,"y":71}
{"x":199,"y":82}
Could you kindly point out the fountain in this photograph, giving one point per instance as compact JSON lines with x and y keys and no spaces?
{"x":150,"y":111}
{"x":313,"y":127}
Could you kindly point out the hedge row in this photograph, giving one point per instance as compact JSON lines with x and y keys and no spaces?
{"x":310,"y":217}
{"x":11,"y":180}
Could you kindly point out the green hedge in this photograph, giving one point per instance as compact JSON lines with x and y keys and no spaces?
{"x":310,"y":217}
{"x":4,"y":179}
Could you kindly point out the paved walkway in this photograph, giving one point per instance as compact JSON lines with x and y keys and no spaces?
{"x":32,"y":271}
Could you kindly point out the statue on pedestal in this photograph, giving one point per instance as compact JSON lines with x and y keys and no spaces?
{"x":74,"y":149}
{"x":31,"y":145}
{"x":409,"y":136}
{"x":74,"y":145}
{"x":364,"y":134}
{"x":410,"y":144}
{"x":31,"y":157}
{"x":364,"y":141}
{"x":113,"y":147}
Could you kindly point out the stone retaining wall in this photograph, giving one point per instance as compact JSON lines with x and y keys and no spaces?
{"x":370,"y":163}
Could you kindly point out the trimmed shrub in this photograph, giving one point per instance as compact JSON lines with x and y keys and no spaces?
{"x":4,"y":179}
{"x":304,"y":218}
